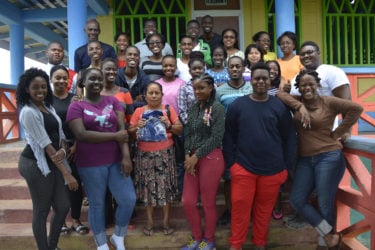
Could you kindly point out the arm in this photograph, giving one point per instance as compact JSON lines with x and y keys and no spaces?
{"x":350,"y":111}
{"x":126,"y":163}
{"x":230,"y":137}
{"x":343,"y":92}
{"x":295,"y":104}
{"x":59,"y":163}
{"x":34,"y":127}
{"x":89,"y":136}
{"x":217,"y":131}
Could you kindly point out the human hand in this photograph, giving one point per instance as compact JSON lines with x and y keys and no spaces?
{"x":305,"y":117}
{"x":71,"y":152}
{"x":190,"y":163}
{"x":59,"y":156}
{"x":121,"y":136}
{"x":71,"y":182}
{"x":126,"y":166}
{"x":287,"y":87}
{"x":141,"y":123}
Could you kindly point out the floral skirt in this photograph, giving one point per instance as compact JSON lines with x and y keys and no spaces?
{"x":155,"y":177}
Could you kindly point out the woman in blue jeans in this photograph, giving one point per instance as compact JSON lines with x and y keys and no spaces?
{"x":102,"y":157}
{"x":321,"y":163}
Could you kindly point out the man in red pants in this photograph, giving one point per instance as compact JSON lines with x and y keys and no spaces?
{"x":259,"y":145}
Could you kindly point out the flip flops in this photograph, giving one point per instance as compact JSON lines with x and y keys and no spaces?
{"x":81,"y":229}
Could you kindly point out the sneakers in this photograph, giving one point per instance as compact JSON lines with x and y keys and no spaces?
{"x":205,"y":245}
{"x":191,"y":245}
{"x":118,"y":245}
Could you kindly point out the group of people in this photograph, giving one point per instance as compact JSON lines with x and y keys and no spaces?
{"x":145,"y":125}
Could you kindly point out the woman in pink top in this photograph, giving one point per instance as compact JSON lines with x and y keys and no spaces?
{"x":155,"y":166}
{"x":170,"y":82}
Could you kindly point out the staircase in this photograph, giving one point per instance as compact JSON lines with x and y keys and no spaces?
{"x":16,"y":216}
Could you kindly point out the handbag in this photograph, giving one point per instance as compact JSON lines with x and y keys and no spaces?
{"x":178,"y":141}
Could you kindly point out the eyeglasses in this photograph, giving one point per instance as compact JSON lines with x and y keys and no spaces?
{"x":265,"y":40}
{"x":154,"y":43}
{"x":306,"y":53}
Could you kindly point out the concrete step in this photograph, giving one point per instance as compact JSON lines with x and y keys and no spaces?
{"x":13,"y":189}
{"x":280,"y":237}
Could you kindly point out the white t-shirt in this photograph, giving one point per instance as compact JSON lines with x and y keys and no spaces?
{"x":330,"y":76}
{"x":183,"y":70}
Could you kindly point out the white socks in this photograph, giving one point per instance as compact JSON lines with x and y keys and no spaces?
{"x":103,"y":247}
{"x":118,"y":242}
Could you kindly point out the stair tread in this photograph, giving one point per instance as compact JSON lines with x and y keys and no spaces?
{"x":13,"y":182}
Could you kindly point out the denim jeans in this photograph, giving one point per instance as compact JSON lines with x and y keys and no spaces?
{"x":95,"y":181}
{"x":322,"y":173}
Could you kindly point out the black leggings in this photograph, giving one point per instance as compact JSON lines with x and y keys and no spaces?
{"x":46,"y":192}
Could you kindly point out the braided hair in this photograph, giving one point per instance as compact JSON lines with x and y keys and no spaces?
{"x":303,"y":72}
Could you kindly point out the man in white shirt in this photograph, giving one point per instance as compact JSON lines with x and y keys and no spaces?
{"x":149,"y":28}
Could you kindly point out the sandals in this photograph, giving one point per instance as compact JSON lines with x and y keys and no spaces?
{"x":277,"y":214}
{"x":148,"y":231}
{"x":81,"y":229}
{"x":168,"y":230}
{"x":65,"y":229}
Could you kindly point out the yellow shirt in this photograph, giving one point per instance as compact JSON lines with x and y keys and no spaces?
{"x":269,"y":56}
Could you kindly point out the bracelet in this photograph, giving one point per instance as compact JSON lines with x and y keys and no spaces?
{"x":63,"y":149}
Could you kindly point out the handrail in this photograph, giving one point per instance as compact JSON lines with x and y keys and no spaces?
{"x":360,"y":198}
{"x":9,"y":127}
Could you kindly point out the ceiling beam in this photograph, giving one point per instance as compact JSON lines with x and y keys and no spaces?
{"x":44,"y":15}
{"x":100,"y":7}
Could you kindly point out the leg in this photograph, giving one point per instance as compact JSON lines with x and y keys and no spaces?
{"x":303,"y":186}
{"x":95,"y":181}
{"x":149,"y":212}
{"x":190,"y":195}
{"x":267,"y":190}
{"x":328,"y":171}
{"x":76,"y":198}
{"x":122,"y":189}
{"x":211,"y":169}
{"x":40,"y":188}
{"x":61,"y":206}
{"x":242,"y":203}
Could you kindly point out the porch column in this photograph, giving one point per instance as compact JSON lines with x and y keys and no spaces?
{"x":77,"y":16}
{"x":16,"y":46}
{"x":285,"y":19}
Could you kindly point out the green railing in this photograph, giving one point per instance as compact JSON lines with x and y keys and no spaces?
{"x":348,"y":32}
{"x":171,"y":17}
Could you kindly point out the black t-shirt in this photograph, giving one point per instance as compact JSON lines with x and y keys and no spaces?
{"x":61,"y":106}
{"x":52,"y":128}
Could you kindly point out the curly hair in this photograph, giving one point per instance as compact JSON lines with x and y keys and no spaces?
{"x":303,"y":72}
{"x":22,"y":96}
{"x":291,"y":35}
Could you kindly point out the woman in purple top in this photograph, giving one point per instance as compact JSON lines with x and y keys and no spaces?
{"x":102,"y":157}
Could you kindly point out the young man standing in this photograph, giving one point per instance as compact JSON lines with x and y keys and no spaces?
{"x":259,"y":145}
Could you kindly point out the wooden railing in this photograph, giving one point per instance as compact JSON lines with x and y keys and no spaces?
{"x":9,"y":127}
{"x":363,"y":94}
{"x":357,"y":192}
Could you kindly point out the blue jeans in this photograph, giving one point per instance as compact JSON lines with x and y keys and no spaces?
{"x":322,"y":173}
{"x":95,"y":181}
